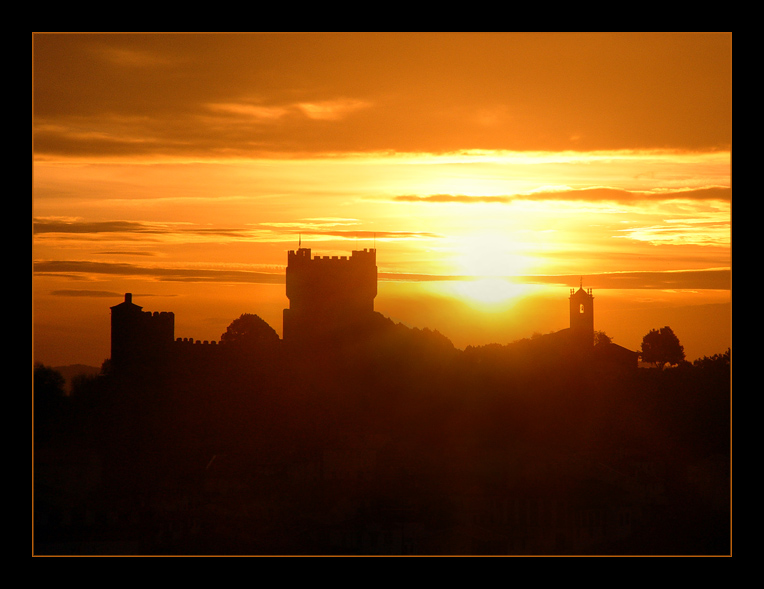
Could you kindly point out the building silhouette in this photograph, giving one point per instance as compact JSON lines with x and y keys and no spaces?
{"x":330,"y":298}
{"x":331,"y":306}
{"x":582,"y":315}
{"x":581,"y":334}
{"x":410,"y":446}
{"x":139,"y":338}
{"x":144,"y":341}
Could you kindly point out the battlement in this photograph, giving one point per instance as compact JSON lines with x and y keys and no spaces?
{"x":366,"y":256}
{"x":189,"y":341}
{"x":328,"y":293}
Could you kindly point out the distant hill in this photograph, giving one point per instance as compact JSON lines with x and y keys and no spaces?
{"x":72,"y":370}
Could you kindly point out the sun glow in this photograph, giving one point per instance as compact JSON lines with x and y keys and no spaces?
{"x":488,"y":261}
{"x":492,"y":254}
{"x":489,"y":294}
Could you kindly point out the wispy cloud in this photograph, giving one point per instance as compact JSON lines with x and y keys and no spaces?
{"x":453,"y":198}
{"x":332,"y":110}
{"x":41,"y":226}
{"x":690,"y":231}
{"x":98,"y":294}
{"x":75,"y":268}
{"x":593,"y":194}
{"x":275,"y":231}
{"x":714,"y":279}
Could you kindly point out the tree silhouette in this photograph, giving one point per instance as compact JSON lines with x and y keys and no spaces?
{"x":249,"y":331}
{"x":602,"y":339}
{"x":661,"y":347}
{"x":48,"y":383}
{"x":50,"y":401}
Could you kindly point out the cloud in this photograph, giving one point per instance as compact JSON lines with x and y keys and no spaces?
{"x":85,"y":293}
{"x":594,"y":194}
{"x":453,"y":198}
{"x":77,"y":268}
{"x":275,"y":231}
{"x":406,"y":277}
{"x":192,"y":94}
{"x":714,"y":279}
{"x":332,"y":110}
{"x":683,"y":231}
{"x":41,"y":226}
{"x":366,"y":234}
{"x":54,"y":226}
{"x":255,"y":112}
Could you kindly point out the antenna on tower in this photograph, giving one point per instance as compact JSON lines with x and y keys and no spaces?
{"x":299,"y":240}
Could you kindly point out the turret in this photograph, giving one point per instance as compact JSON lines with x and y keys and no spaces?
{"x":139,"y":338}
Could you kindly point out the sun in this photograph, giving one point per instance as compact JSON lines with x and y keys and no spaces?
{"x":489,"y":294}
{"x":489,"y":263}
{"x":490,"y":254}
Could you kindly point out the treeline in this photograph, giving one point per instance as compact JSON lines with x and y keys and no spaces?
{"x":401,"y":380}
{"x":432,"y":411}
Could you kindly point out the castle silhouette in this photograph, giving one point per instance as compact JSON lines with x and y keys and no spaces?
{"x":353,"y":434}
{"x":329,"y":297}
{"x":331,"y":303}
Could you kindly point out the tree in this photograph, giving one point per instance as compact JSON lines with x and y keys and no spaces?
{"x":714,"y":362}
{"x":661,"y":347}
{"x":48,"y":385}
{"x":602,"y":339}
{"x":50,"y":401}
{"x":250,"y":331}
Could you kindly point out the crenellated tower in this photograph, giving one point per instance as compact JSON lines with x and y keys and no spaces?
{"x":329,"y":297}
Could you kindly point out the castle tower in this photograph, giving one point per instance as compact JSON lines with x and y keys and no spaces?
{"x":582,"y":315}
{"x":329,"y":297}
{"x":139,"y":338}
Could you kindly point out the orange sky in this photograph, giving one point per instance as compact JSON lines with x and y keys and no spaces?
{"x":183,"y":167}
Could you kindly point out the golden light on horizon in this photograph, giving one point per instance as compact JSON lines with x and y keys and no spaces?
{"x":490,"y":295}
{"x":164,"y":163}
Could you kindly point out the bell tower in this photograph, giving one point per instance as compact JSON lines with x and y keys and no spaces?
{"x":582,"y":314}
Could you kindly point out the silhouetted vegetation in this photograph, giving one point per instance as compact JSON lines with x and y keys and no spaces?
{"x":249,"y":331}
{"x":661,"y":347}
{"x":395,"y":443}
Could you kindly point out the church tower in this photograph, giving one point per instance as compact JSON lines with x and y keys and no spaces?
{"x":582,"y":314}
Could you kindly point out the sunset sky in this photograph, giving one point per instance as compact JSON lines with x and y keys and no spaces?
{"x":492,"y":172}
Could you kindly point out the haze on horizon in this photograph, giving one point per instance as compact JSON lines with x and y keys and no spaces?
{"x":492,"y":171}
